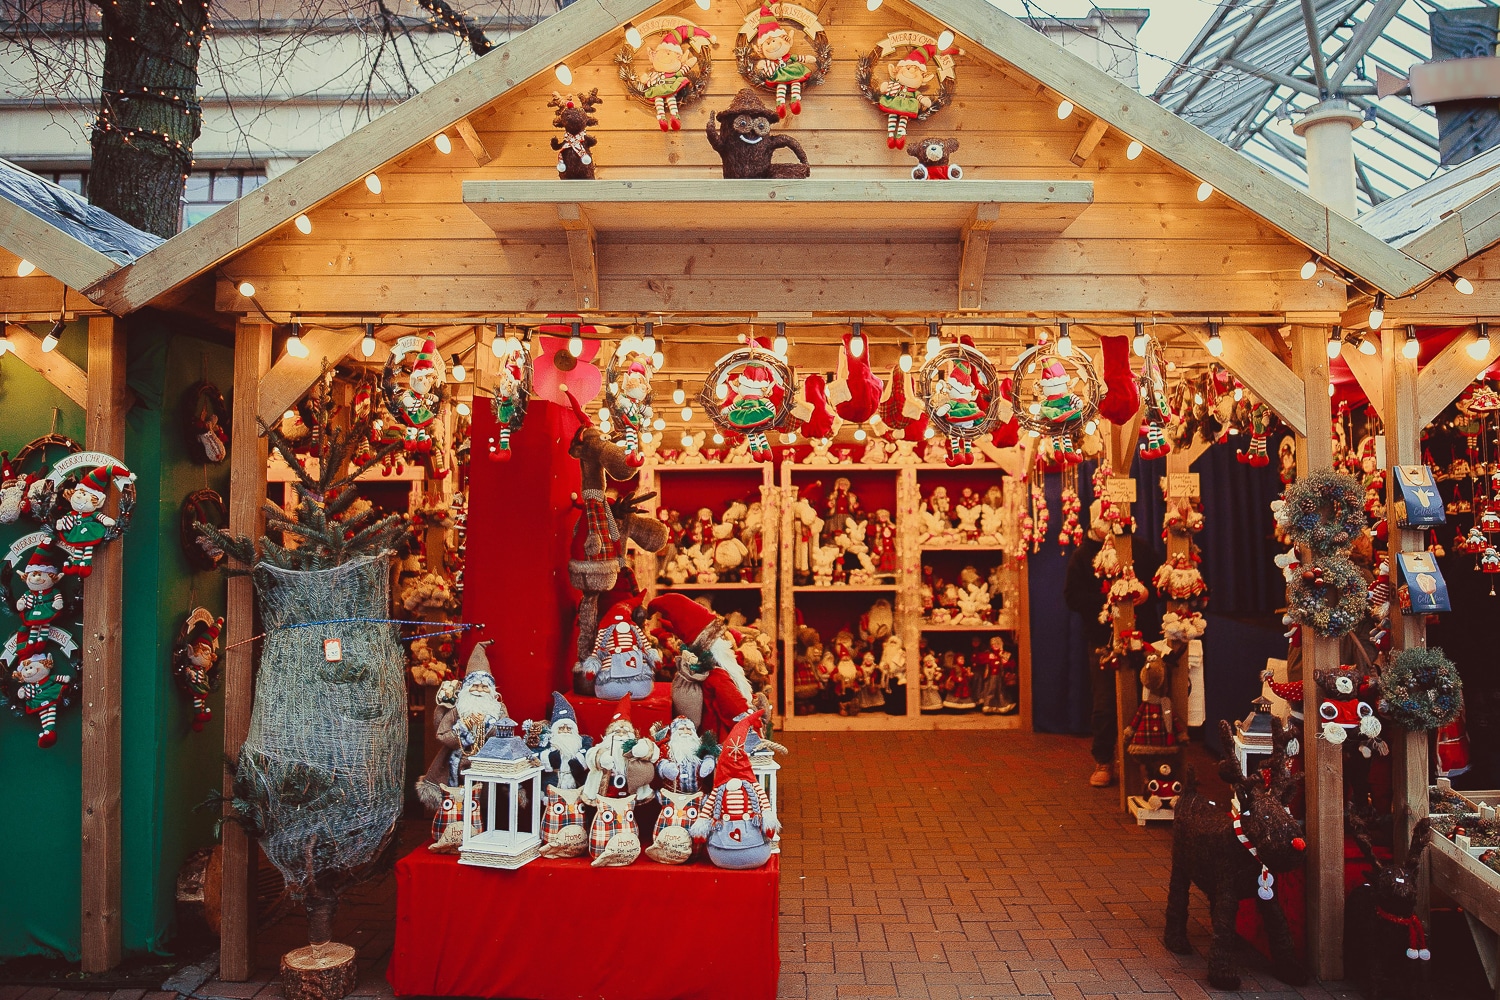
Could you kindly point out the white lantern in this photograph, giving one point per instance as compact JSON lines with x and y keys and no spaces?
{"x":508,"y":778}
{"x":763,"y":765}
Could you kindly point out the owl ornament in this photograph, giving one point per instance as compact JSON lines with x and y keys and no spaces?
{"x":448,"y":821}
{"x":959,"y":390}
{"x":564,"y":833}
{"x":918,"y":84}
{"x":750,"y":392}
{"x":672,"y":842}
{"x":1049,"y":399}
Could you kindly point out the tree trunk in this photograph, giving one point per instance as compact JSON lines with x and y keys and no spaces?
{"x":149,"y":116}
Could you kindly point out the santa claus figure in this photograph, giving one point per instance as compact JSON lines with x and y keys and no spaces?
{"x":710,"y":687}
{"x":842,"y":503}
{"x":561,"y":747}
{"x":477,"y":713}
{"x":687,"y":762}
{"x":42,"y":602}
{"x":621,"y":768}
{"x":623,"y":662}
{"x":738,"y":820}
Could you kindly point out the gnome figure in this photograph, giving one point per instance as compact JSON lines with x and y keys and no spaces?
{"x":777,"y":68}
{"x":461,"y":728}
{"x":41,"y":692}
{"x":42,"y":602}
{"x":417,"y":404}
{"x":620,"y":771}
{"x":195,"y":661}
{"x":562,"y":747}
{"x":1062,"y":409}
{"x":86,"y":525}
{"x":710,"y":686}
{"x":623,"y":663}
{"x":687,"y":759}
{"x":959,"y":408}
{"x":738,"y":821}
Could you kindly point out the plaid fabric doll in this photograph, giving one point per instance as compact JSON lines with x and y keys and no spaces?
{"x":562,"y":823}
{"x":672,"y":841}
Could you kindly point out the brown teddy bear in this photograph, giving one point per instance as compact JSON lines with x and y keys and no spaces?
{"x":743,"y":140}
{"x":932,"y":156}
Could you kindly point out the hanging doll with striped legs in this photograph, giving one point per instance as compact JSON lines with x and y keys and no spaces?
{"x":766,"y":59}
{"x":41,"y":682}
{"x":1257,"y":456}
{"x":1156,"y":409}
{"x":681,"y":63}
{"x":750,"y":391}
{"x":1048,"y":399}
{"x":959,"y":390}
{"x":512,"y":394}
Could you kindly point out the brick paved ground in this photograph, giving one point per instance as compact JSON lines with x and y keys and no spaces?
{"x":919,"y":865}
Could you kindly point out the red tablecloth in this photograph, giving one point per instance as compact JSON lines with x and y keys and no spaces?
{"x":594,"y":713}
{"x":546,"y":931}
{"x":1291,"y":891}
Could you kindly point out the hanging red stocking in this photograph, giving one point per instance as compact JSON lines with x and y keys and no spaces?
{"x":856,"y":392}
{"x":816,"y":416}
{"x":1121,"y":397}
{"x":1256,"y":456}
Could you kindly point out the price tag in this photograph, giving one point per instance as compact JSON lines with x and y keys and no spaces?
{"x":333,"y":650}
{"x":1119,"y":490}
{"x":1182,"y":484}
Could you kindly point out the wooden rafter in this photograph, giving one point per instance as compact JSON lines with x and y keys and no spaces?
{"x":583,"y":251}
{"x":53,"y":251}
{"x":472,"y":141}
{"x":976,"y":256}
{"x":1446,"y":376}
{"x":64,"y":375}
{"x":1263,"y":373}
{"x":290,"y":377}
{"x":1090,"y":141}
{"x":1367,"y":372}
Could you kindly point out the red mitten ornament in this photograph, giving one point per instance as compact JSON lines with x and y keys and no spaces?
{"x":1121,"y":398}
{"x":916,"y":430}
{"x":856,"y":393}
{"x":1008,"y":434}
{"x":815,"y":414}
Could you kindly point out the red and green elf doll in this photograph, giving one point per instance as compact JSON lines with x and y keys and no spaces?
{"x":86,"y":526}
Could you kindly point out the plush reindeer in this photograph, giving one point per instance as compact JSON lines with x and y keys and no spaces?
{"x":1233,"y":851}
{"x":575,"y":116}
{"x":1385,"y":945}
{"x":598,"y":550}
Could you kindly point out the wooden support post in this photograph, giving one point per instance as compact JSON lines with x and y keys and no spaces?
{"x":1089,"y":142}
{"x":1371,"y":376}
{"x":583,"y":250}
{"x":247,"y":491}
{"x":1322,"y":762}
{"x":976,"y":258}
{"x":1127,"y":684}
{"x":103,"y":597}
{"x":1403,"y":446}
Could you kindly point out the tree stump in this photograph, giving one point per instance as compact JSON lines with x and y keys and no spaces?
{"x":319,"y":972}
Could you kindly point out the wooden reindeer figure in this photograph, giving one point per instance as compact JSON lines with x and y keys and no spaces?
{"x":598,"y":551}
{"x":575,"y":116}
{"x":1385,"y":945}
{"x":1233,"y":851}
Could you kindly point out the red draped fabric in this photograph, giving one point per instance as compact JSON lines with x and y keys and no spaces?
{"x":594,"y":713}
{"x":561,"y":930}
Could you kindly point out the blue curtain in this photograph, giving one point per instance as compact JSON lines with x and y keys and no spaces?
{"x":1061,"y":696}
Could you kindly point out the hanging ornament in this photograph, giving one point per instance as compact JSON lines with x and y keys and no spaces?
{"x":765,"y":55}
{"x":1040,"y":516}
{"x":41,"y":682}
{"x":907,"y":93}
{"x":513,"y":379}
{"x":749,"y":391}
{"x":1179,"y":579}
{"x":1256,"y":455}
{"x":195,"y":661}
{"x":206,"y":422}
{"x":959,"y":389}
{"x":416,"y":405}
{"x":24,"y":492}
{"x":627,"y":391}
{"x":1043,"y":397}
{"x":855,"y":393}
{"x":83,"y":526}
{"x":1071,"y":532}
{"x":199,"y":508}
{"x":681,"y":64}
{"x":899,"y":406}
{"x":38,"y":564}
{"x":575,"y":116}
{"x":1126,"y":590}
{"x":1122,"y":395}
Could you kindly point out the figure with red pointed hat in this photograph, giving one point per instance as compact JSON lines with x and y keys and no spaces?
{"x":1062,"y":409}
{"x":673,"y":62}
{"x":195,"y":661}
{"x":14,"y":487}
{"x":85,"y":526}
{"x":749,"y":410}
{"x":40,"y":606}
{"x":631,"y":403}
{"x":738,"y":820}
{"x":623,"y":662}
{"x":416,"y":406}
{"x":710,"y":686}
{"x":776,"y":68}
{"x":957,"y":403}
{"x":512,"y":393}
{"x":621,"y":768}
{"x":901,"y":96}
{"x":40,"y":691}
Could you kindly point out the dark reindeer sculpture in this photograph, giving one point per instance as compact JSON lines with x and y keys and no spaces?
{"x":598,"y":551}
{"x":1233,"y":855}
{"x":575,"y":116}
{"x":1385,"y":944}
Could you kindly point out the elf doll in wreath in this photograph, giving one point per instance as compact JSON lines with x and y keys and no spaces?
{"x":750,"y":409}
{"x":957,"y":403}
{"x":41,"y":691}
{"x":509,"y":403}
{"x":777,"y":68}
{"x":42,"y":603}
{"x":632,"y":409}
{"x":195,"y":662}
{"x":901,"y":96}
{"x":86,"y":526}
{"x":416,"y":406}
{"x":1062,"y":410}
{"x":671,"y":63}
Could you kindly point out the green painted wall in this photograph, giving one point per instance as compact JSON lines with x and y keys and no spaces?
{"x":167,"y":769}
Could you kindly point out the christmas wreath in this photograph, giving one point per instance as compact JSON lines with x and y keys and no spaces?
{"x":1329,"y":596}
{"x":1323,"y":510}
{"x":1420,"y":690}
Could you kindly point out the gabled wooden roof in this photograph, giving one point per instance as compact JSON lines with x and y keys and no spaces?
{"x":1446,"y":221}
{"x":590,"y":26}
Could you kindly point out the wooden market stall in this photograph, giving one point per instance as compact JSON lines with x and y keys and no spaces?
{"x":1081,"y":201}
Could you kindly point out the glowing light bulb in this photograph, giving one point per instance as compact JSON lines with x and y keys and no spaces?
{"x":1090,"y":427}
{"x":721,"y":391}
{"x":1205,"y":191}
{"x":459,"y":372}
{"x":704,"y":4}
{"x":49,"y":342}
{"x":1309,"y":269}
{"x":647,"y":436}
{"x":789,"y":438}
{"x":5,"y":346}
{"x":24,"y":268}
{"x":658,"y":359}
{"x":778,"y":346}
{"x":1065,"y":346}
{"x":905,"y":363}
{"x":1239,"y":394}
{"x":563,"y":73}
{"x":1134,"y":150}
{"x":678,"y":396}
{"x":296,"y":348}
{"x":945,"y":39}
{"x":933,"y":346}
{"x":462,"y":409}
{"x":1064,"y":110}
{"x":247,"y":289}
{"x":687,"y":440}
{"x":1462,"y":285}
{"x":859,"y":434}
{"x":1330,"y":390}
{"x":648,"y":343}
{"x":658,"y":424}
{"x":857,"y":345}
{"x":873,"y":5}
{"x":1215,"y":345}
{"x":1479,"y":347}
{"x":1335,"y":346}
{"x":1035,"y":408}
{"x":1140,"y":343}
{"x":633,"y":36}
{"x":1367,"y":347}
{"x":303,"y":224}
{"x":929,"y":432}
{"x":443,"y":143}
{"x":373,"y":183}
{"x":367,"y":345}
{"x":1377,"y":312}
{"x":687,"y":414}
{"x":1410,"y":346}
{"x":575,"y":346}
{"x":1197,"y":399}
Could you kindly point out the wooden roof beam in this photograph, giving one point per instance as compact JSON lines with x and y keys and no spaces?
{"x":53,"y":251}
{"x":1445,"y":377}
{"x":290,"y":377}
{"x":64,"y":375}
{"x":1368,"y":373}
{"x":976,"y":256}
{"x":1090,"y":141}
{"x":1262,"y":372}
{"x":472,"y":141}
{"x":583,"y":250}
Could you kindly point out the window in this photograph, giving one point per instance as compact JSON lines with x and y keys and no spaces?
{"x":76,"y":181}
{"x":207,"y":191}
